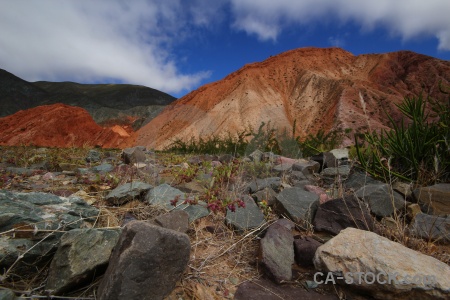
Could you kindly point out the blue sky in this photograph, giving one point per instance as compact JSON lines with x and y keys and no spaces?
{"x":178,"y":45}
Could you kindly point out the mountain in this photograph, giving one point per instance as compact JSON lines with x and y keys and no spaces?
{"x":319,"y":88}
{"x":108,"y":104}
{"x":58,"y":125}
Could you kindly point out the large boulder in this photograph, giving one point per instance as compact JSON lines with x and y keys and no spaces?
{"x":146,"y":263}
{"x":383,"y":268}
{"x":82,"y":255}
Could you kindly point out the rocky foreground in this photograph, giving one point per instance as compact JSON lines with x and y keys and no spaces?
{"x":105,"y":224}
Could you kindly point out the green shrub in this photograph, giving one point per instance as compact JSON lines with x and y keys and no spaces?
{"x":417,"y":149}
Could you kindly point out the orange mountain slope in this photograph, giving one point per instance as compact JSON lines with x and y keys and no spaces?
{"x":58,"y":125}
{"x":319,"y":88}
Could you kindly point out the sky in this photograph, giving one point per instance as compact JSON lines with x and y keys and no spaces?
{"x":178,"y":45}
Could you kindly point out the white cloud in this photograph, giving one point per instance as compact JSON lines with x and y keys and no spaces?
{"x":88,"y":41}
{"x":405,"y":18}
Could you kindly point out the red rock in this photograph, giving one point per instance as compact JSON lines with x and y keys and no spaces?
{"x":57,"y":125}
{"x":320,"y":88}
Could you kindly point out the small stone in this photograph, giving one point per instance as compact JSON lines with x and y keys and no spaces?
{"x":245,"y":218}
{"x":277,"y":252}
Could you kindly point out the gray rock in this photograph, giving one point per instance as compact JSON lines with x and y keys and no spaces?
{"x":146,"y":263}
{"x":338,"y":214}
{"x":31,"y":219}
{"x":245,"y":218}
{"x":103,"y":168}
{"x":196,"y":211}
{"x":358,"y":179}
{"x":354,"y":250}
{"x":256,"y":156}
{"x":267,"y":194}
{"x":277,"y":252}
{"x":263,"y":289}
{"x":260,"y":184}
{"x":7,"y":294}
{"x":133,"y":155}
{"x":177,"y":220}
{"x":299,"y":205}
{"x":226,"y":158}
{"x":21,"y":171}
{"x":431,"y":227}
{"x":382,"y":200}
{"x":282,"y":168}
{"x":343,"y":171}
{"x":305,"y":249}
{"x":93,"y":156}
{"x":307,"y":167}
{"x":435,"y":198}
{"x":163,"y":194}
{"x":82,"y":255}
{"x":127,"y":192}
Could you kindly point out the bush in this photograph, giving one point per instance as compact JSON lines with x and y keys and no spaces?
{"x":417,"y":149}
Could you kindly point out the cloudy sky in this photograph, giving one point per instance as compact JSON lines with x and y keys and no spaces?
{"x":177,"y":45}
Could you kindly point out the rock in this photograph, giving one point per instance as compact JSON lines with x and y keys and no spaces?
{"x":358,"y":179}
{"x":163,"y":195}
{"x":329,"y":160}
{"x":256,"y":156}
{"x":338,"y":214}
{"x":196,"y":211}
{"x":103,"y":168}
{"x":7,"y":294}
{"x":127,"y":192}
{"x":245,"y":218}
{"x":68,"y":167}
{"x":30,"y":219}
{"x":299,"y":205}
{"x":260,"y":184}
{"x":305,"y":249}
{"x":340,"y":154}
{"x":323,"y":197}
{"x":435,"y":198}
{"x":277,"y":252}
{"x":177,"y":220}
{"x":146,"y":263}
{"x":431,"y":228}
{"x":382,"y":200}
{"x":82,"y":255}
{"x":343,"y":171}
{"x":319,"y":158}
{"x":133,"y":155}
{"x":263,"y":289}
{"x":93,"y":156}
{"x":354,"y":250}
{"x":307,"y":167}
{"x":412,"y":210}
{"x":297,"y":175}
{"x":226,"y":158}
{"x":282,"y":168}
{"x":267,"y":194}
{"x":403,"y":188}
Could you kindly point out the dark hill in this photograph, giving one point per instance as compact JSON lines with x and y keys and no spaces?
{"x":108,"y":104}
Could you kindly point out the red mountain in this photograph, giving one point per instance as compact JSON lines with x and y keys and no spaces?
{"x":319,"y":88}
{"x":58,"y":125}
